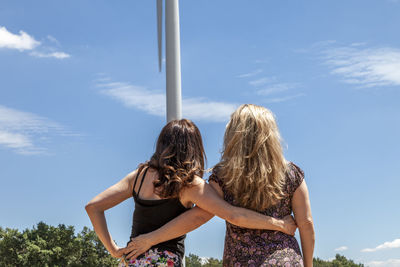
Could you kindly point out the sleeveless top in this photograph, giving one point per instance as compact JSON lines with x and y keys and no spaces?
{"x":253,"y":247}
{"x":149,"y":215}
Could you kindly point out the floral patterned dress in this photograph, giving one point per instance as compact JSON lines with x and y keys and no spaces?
{"x":154,"y":258}
{"x":250,"y":247}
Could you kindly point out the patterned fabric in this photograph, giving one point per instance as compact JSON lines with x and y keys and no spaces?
{"x":251,"y":247}
{"x":154,"y":258}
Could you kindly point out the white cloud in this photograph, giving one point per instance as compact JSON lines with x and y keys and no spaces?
{"x":387,"y":245}
{"x":283,"y":98}
{"x":14,"y":140}
{"x":21,"y":41}
{"x":203,"y":109}
{"x":23,"y":132}
{"x":153,"y":102}
{"x":53,"y":40}
{"x":366,"y":67}
{"x":261,"y":81}
{"x":250,"y":74}
{"x":342,"y":248}
{"x":133,"y":96}
{"x":275,"y":88}
{"x":386,"y":263}
{"x":358,"y":44}
{"x":24,"y":41}
{"x":58,"y":55}
{"x":267,"y":86}
{"x":258,"y":61}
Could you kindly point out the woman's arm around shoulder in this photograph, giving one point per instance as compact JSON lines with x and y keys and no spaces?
{"x":105,"y":200}
{"x":209,"y":201}
{"x":192,"y":219}
{"x":209,"y":197}
{"x":302,"y":213}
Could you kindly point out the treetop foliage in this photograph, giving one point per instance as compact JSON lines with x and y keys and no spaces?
{"x":340,"y":261}
{"x":45,"y":246}
{"x":50,"y":246}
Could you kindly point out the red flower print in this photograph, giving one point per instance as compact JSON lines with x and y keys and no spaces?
{"x":170,"y":263}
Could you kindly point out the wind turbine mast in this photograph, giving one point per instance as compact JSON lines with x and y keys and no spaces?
{"x":173,"y":56}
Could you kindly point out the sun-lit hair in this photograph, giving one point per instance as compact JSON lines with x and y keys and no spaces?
{"x":252,"y":166}
{"x":179,"y":156}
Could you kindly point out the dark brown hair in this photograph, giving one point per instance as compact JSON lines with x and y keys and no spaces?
{"x":179,"y":156}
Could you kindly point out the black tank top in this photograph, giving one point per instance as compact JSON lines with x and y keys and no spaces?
{"x":149,"y":215}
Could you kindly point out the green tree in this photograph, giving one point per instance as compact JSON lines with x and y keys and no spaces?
{"x":212,"y":262}
{"x":192,"y":260}
{"x":339,"y":261}
{"x":46,"y":245}
{"x":11,"y":244}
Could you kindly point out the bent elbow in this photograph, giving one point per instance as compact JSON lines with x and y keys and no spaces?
{"x":306,"y":229}
{"x":306,"y":224}
{"x":89,"y":207}
{"x":235,"y":219}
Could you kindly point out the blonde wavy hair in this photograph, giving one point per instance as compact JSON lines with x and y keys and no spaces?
{"x":252,"y":166}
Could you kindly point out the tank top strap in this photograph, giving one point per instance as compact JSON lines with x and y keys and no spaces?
{"x":134,"y":194}
{"x":134,"y":184}
{"x":141,"y":182}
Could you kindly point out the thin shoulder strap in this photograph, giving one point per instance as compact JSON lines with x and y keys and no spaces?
{"x":134,"y":184}
{"x":141,"y":182}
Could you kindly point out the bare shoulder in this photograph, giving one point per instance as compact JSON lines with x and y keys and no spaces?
{"x":196,"y":186}
{"x":130,"y":178}
{"x":132,"y":174}
{"x":187,"y":193}
{"x":198,"y":181}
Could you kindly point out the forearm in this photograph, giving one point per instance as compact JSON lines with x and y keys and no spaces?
{"x":208,"y":199}
{"x":185,"y":223}
{"x":100,"y":227}
{"x":307,"y":237}
{"x":254,"y":220}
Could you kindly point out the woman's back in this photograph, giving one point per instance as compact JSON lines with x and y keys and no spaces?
{"x":152,"y":212}
{"x":248,"y":247}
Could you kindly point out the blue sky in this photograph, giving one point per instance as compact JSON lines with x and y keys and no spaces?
{"x":82,"y":103}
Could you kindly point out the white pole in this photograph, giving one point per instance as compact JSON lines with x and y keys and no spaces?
{"x":159,"y":32}
{"x":173,"y":60}
{"x":173,"y":64}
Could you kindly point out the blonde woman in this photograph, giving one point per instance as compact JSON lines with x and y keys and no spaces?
{"x":254,"y":174}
